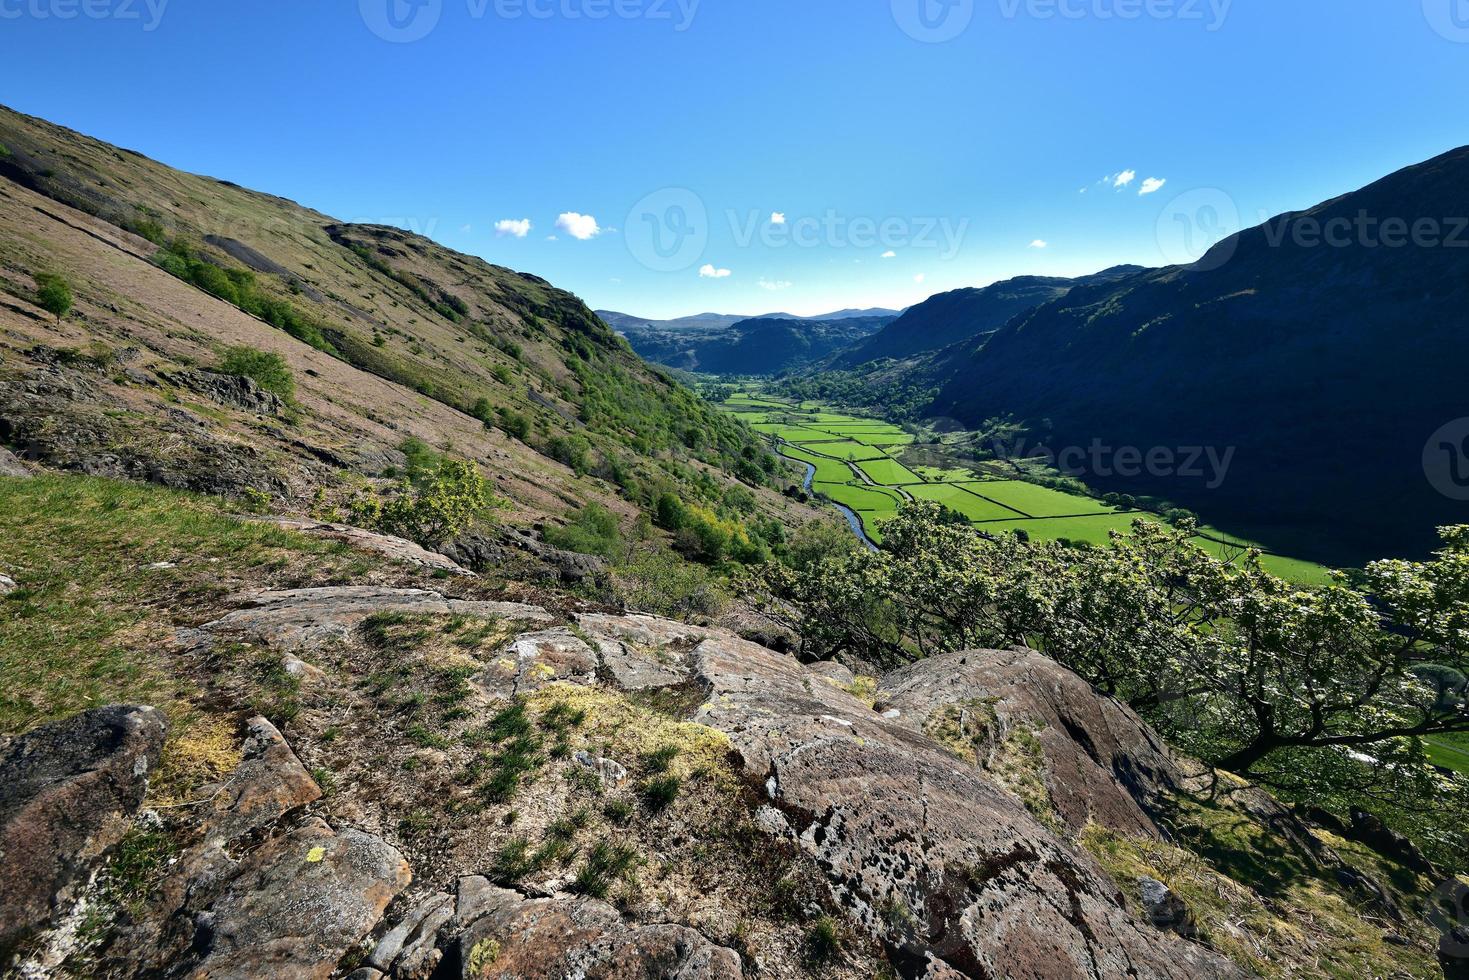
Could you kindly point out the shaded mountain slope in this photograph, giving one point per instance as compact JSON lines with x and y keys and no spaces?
{"x":1326,"y":367}
{"x":951,"y":317}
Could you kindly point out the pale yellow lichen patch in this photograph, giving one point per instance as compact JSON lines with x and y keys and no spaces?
{"x":482,"y":957}
{"x":315,"y":855}
{"x":201,"y":749}
{"x":629,"y":731}
{"x":864,"y":689}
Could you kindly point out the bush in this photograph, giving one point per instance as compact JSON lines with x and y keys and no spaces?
{"x":514,"y":424}
{"x":432,"y":510}
{"x":265,"y":368}
{"x":53,"y":293}
{"x":594,"y":531}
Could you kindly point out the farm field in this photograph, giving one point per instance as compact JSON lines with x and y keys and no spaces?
{"x":1449,"y":751}
{"x":834,"y":443}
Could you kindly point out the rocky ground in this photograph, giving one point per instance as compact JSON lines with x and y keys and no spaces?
{"x":414,"y":780}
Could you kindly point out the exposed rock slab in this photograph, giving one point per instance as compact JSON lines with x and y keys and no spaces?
{"x":302,"y":620}
{"x":295,"y":906}
{"x":644,"y":652}
{"x":927,"y":854}
{"x":534,"y":660}
{"x":68,"y":791}
{"x":1102,"y":762}
{"x":400,"y":549}
{"x":230,"y":390}
{"x":509,"y":935}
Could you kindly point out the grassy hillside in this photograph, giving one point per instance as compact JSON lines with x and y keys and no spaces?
{"x":389,"y":337}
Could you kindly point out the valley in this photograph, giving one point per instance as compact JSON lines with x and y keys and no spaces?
{"x":858,"y":465}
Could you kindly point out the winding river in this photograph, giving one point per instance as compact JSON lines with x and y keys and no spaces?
{"x":853,"y":521}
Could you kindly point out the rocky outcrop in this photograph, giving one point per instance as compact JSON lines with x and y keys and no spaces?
{"x":303,"y":620}
{"x":926,"y":853}
{"x":230,"y":390}
{"x":399,"y":549}
{"x":506,"y":934}
{"x":68,"y":792}
{"x":266,"y":890}
{"x":480,"y":551}
{"x":1102,"y":762}
{"x":60,"y":417}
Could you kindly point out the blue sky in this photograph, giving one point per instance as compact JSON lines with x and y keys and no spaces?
{"x":680,"y":129}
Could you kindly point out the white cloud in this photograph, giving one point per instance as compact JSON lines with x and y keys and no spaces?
{"x":777,"y":217}
{"x":1123,"y":179}
{"x":552,"y":238}
{"x":919,"y":278}
{"x":1152,"y":184}
{"x":709,"y":272}
{"x":466,"y":229}
{"x":582,"y":227}
{"x":1039,"y":243}
{"x":516,"y":228}
{"x":775,"y":285}
{"x":889,"y":254}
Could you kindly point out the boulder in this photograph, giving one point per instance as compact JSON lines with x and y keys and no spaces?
{"x":1164,"y":909}
{"x":11,"y":466}
{"x":302,"y":620}
{"x":295,"y":906}
{"x":927,"y":854}
{"x":505,"y":934}
{"x":410,"y":947}
{"x":68,"y":793}
{"x":1102,"y":762}
{"x":7,"y":585}
{"x":399,"y":549}
{"x":268,"y":783}
{"x":1370,"y":830}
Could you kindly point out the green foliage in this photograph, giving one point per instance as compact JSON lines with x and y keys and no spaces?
{"x":1318,"y":692}
{"x":657,"y":582}
{"x":823,"y":941}
{"x":594,"y":531}
{"x":430,"y":509}
{"x":513,"y":424}
{"x":53,"y":294}
{"x":265,"y":368}
{"x":573,"y":450}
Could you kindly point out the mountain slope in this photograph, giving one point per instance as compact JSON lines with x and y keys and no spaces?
{"x":1326,"y":369}
{"x":389,"y":334}
{"x":764,"y":345}
{"x":964,"y":313}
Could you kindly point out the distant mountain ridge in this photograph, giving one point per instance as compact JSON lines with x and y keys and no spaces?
{"x":960,"y":314}
{"x":709,"y":321}
{"x":756,"y":346}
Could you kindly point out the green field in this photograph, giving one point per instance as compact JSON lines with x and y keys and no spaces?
{"x":830,"y":441}
{"x":1449,"y":751}
{"x":888,"y":472}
